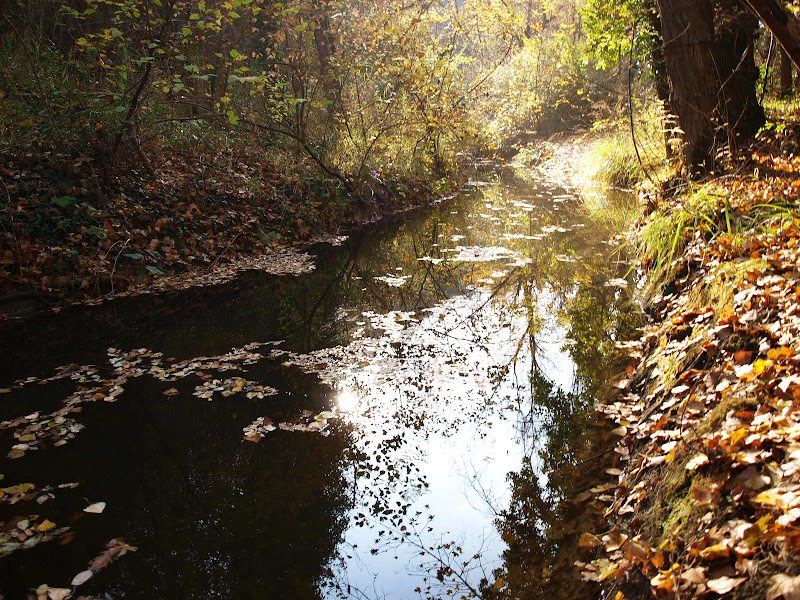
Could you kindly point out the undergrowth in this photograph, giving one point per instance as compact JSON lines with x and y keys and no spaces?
{"x":620,"y":159}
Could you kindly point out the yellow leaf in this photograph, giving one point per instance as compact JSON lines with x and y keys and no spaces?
{"x":589,"y":541}
{"x":45,"y":525}
{"x":738,"y":436}
{"x":609,"y":570}
{"x":760,"y":366}
{"x":22,"y":488}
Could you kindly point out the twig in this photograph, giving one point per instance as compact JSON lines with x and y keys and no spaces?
{"x":630,"y":107}
{"x":114,"y":268}
{"x":211,"y":266}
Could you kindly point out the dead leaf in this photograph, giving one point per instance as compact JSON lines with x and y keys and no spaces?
{"x":697,"y":461}
{"x":696,"y":575}
{"x":81,"y":578}
{"x":95,"y":508}
{"x":723,"y":585}
{"x":704,"y":495}
{"x":45,"y":525}
{"x":784,"y":585}
{"x":589,"y":541}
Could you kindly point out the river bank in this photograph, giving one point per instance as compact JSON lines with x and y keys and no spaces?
{"x":704,"y":499}
{"x":71,"y":234}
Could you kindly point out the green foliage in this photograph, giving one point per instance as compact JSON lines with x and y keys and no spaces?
{"x":341,"y":88}
{"x":616,"y":160}
{"x":616,"y":30}
{"x":543,"y":89}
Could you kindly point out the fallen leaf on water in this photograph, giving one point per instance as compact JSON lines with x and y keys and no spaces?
{"x":95,"y":508}
{"x":114,"y":549}
{"x":45,"y":525}
{"x":21,"y":488}
{"x":58,"y":593}
{"x":171,"y":392}
{"x":81,"y":578}
{"x":784,"y":585}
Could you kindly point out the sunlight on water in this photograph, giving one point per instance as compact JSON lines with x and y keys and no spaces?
{"x":357,"y":440}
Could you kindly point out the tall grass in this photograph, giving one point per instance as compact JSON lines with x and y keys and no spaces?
{"x":615,"y":160}
{"x":705,"y":213}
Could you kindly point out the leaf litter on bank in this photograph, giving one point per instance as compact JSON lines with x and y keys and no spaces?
{"x":716,"y":396}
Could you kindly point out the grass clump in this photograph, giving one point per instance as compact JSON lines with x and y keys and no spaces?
{"x":669,"y":229}
{"x":613,"y":161}
{"x":616,"y":159}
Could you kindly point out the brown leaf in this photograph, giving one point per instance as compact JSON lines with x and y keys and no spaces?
{"x":723,"y":585}
{"x":696,"y":575}
{"x":589,"y":541}
{"x":704,"y":495}
{"x":784,"y":585}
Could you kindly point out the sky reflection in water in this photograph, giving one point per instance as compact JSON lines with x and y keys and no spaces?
{"x":429,"y":337}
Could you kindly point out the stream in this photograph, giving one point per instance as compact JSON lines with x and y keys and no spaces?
{"x":379,"y":427}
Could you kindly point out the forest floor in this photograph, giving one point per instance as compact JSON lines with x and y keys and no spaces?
{"x":703,"y":496}
{"x":67,"y":234}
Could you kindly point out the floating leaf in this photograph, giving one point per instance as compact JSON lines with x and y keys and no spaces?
{"x":95,"y":508}
{"x":81,"y":578}
{"x":45,"y":525}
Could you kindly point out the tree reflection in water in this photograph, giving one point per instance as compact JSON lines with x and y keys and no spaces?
{"x":458,"y":345}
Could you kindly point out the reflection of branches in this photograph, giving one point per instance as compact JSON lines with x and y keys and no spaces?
{"x":445,"y":556}
{"x":355,"y":250}
{"x":475,"y":481}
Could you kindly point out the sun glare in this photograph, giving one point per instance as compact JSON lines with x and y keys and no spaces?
{"x":347,"y":401}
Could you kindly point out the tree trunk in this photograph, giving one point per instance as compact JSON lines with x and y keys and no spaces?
{"x":688,"y":31}
{"x":655,"y":45}
{"x":786,"y":74}
{"x":738,"y":110}
{"x":785,"y":27}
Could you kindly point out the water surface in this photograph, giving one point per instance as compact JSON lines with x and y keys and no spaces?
{"x":344,"y":433}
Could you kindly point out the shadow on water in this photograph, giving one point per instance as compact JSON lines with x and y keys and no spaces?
{"x":454,"y":347}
